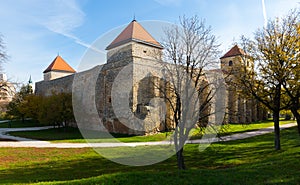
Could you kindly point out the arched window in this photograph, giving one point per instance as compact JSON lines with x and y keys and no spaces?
{"x":230,"y":63}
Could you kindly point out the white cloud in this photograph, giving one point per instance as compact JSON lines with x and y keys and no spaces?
{"x":279,"y":8}
{"x":28,"y":27}
{"x":264,"y":13}
{"x":62,"y":16}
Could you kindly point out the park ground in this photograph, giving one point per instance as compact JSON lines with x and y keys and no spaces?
{"x":247,"y":161}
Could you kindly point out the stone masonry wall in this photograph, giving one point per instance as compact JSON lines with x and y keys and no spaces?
{"x":58,"y":85}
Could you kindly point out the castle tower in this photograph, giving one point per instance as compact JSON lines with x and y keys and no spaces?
{"x":133,"y":42}
{"x":57,"y":69}
{"x":133,"y":47}
{"x":239,"y":107}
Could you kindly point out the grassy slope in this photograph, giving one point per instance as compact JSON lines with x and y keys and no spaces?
{"x":249,"y":161}
{"x":73,"y":135}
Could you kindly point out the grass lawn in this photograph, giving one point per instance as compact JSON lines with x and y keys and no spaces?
{"x":73,"y":135}
{"x":19,"y":124}
{"x":239,"y":128}
{"x":248,"y":161}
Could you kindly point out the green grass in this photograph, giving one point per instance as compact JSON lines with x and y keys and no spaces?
{"x":19,"y":124}
{"x":73,"y":135}
{"x":248,"y":161}
{"x":239,"y":128}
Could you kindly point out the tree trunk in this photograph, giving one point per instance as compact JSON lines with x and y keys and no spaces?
{"x":276,"y":130}
{"x":180,"y":159}
{"x":297,"y":116}
{"x":276,"y":114}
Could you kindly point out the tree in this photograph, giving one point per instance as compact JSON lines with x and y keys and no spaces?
{"x":3,"y":55}
{"x":188,"y":50}
{"x":4,"y":86}
{"x":292,"y":82}
{"x":55,"y":109}
{"x":274,"y":49}
{"x":17,"y":107}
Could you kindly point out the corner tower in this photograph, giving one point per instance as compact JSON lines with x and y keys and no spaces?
{"x":57,"y":69}
{"x":133,"y":42}
{"x":135,"y":49}
{"x":241,"y":108}
{"x":231,"y":61}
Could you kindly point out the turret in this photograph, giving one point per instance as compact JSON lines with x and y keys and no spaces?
{"x":57,"y":69}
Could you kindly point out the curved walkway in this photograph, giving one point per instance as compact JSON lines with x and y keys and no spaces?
{"x":24,"y":142}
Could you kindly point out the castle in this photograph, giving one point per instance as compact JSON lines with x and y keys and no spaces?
{"x":134,"y":49}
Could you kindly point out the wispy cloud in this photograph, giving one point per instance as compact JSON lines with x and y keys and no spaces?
{"x":28,"y":23}
{"x":80,"y":42}
{"x":63,"y":17}
{"x":264,"y":13}
{"x":66,"y":17}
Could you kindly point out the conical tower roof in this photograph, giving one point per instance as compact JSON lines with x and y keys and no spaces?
{"x":59,"y":64}
{"x":234,"y":51}
{"x":134,"y":32}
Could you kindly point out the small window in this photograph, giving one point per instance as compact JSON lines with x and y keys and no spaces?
{"x":145,"y":51}
{"x":230,"y":63}
{"x":138,"y":109}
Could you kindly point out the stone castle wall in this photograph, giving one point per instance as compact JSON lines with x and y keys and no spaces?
{"x":137,"y":96}
{"x":59,"y":85}
{"x":51,"y":75}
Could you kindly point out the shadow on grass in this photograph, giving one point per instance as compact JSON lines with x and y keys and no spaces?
{"x":20,"y":124}
{"x":70,"y":134}
{"x":248,"y":161}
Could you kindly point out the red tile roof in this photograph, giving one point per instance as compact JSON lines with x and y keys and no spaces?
{"x":59,"y":64}
{"x":234,"y":51}
{"x":134,"y":32}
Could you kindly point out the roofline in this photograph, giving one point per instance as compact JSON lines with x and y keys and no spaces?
{"x":57,"y":70}
{"x":231,"y":56}
{"x":134,"y":40}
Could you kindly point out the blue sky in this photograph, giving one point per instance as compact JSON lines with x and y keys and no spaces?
{"x":35,"y":31}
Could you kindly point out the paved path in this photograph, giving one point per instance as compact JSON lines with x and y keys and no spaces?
{"x":4,"y":121}
{"x":4,"y":135}
{"x":23,"y":142}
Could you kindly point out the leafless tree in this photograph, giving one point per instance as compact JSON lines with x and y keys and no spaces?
{"x":4,"y":86}
{"x":189,"y":50}
{"x":3,"y":55}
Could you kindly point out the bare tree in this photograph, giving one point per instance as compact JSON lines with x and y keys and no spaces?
{"x":189,"y":49}
{"x":3,"y":55}
{"x":5,"y":87}
{"x":274,"y":49}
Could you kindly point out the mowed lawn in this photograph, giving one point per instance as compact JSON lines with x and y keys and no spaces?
{"x":248,"y":161}
{"x":19,"y":124}
{"x":73,"y":135}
